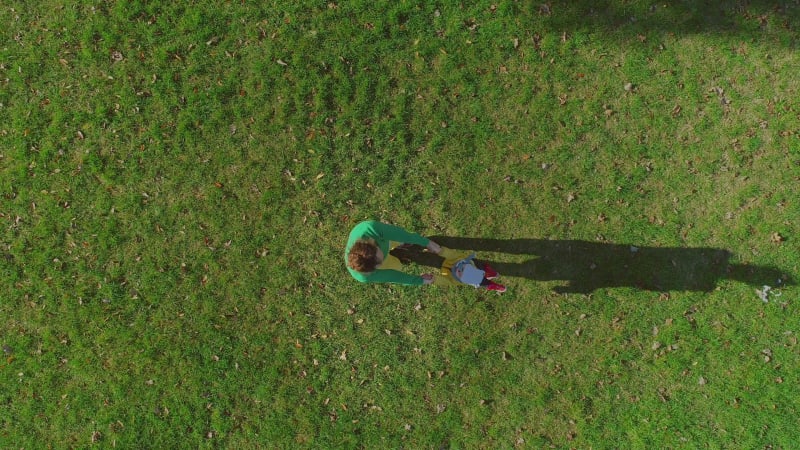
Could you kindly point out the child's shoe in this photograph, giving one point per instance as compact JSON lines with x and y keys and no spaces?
{"x":490,"y":273}
{"x":499,"y":288}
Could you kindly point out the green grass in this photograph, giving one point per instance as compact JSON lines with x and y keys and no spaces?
{"x":178,"y":182}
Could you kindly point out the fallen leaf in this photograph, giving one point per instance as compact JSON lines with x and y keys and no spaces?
{"x":571,"y":436}
{"x":545,"y":9}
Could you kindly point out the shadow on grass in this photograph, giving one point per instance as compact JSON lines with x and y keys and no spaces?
{"x":733,"y":17}
{"x":586,"y":266}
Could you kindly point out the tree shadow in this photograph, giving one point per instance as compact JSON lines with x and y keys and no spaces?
{"x":745,"y":18}
{"x":586,"y":266}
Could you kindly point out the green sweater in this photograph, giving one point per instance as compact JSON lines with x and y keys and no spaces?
{"x":383,"y":233}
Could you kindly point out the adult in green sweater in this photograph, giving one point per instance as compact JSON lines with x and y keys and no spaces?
{"x":368,"y":259}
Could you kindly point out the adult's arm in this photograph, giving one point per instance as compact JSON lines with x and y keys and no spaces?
{"x":394,"y":276}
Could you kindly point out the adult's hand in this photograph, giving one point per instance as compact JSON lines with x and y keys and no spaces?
{"x":434,"y":247}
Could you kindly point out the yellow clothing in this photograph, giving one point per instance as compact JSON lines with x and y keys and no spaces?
{"x":445,"y":276}
{"x":391,"y":262}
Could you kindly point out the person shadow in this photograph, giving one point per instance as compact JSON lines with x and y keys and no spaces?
{"x":585,"y":266}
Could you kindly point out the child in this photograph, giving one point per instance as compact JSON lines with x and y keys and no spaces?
{"x":465,"y":271}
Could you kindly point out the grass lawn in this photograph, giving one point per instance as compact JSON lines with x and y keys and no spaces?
{"x":178,"y":180}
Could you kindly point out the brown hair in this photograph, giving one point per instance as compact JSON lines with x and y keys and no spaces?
{"x":363,"y":256}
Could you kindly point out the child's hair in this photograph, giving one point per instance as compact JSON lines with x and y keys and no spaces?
{"x":363,"y":256}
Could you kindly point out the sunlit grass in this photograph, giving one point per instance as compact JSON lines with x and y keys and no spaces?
{"x":178,"y":183}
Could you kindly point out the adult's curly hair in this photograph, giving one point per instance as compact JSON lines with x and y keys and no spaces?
{"x":363,"y":256}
